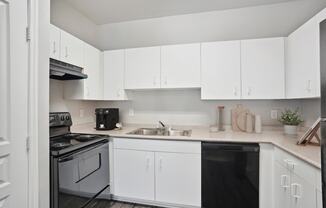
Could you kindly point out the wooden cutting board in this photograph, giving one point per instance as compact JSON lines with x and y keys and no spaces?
{"x":238,"y":118}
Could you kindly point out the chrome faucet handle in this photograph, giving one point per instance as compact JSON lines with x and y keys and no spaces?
{"x":162,"y":124}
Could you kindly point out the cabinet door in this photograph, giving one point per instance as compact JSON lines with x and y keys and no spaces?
{"x":113,"y":69}
{"x":303,"y":193}
{"x":143,"y":67}
{"x":93,"y":84}
{"x":54,"y":42}
{"x":134,"y":174}
{"x":302,"y":62}
{"x":71,"y":50}
{"x":178,"y":178}
{"x":220,"y":70}
{"x":180,"y":66}
{"x":319,"y":198}
{"x":282,"y":186}
{"x":262,"y":65}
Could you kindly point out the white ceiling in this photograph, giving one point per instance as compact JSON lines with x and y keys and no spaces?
{"x":110,"y":11}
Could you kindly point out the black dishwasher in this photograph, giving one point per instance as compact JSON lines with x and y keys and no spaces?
{"x":230,"y":175}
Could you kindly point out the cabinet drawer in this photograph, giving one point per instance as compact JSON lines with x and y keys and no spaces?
{"x":157,"y":145}
{"x":295,"y":165}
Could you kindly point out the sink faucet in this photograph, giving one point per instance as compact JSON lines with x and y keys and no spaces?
{"x":162,"y":124}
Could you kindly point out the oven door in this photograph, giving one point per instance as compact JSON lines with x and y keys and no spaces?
{"x":81,"y":177}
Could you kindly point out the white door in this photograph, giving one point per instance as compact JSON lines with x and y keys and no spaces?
{"x":302,"y":61}
{"x":134,"y":174}
{"x":178,"y":178}
{"x":54,"y":42}
{"x":220,"y":70}
{"x":262,"y":68}
{"x":303,"y":193}
{"x":282,"y":186}
{"x":113,"y":75}
{"x":180,"y":66}
{"x":143,"y":68}
{"x":92,"y":67}
{"x":71,"y":50}
{"x":13,"y":104}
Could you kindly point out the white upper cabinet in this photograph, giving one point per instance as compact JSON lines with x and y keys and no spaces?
{"x":180,"y":66}
{"x":262,"y":68}
{"x":220,"y":70}
{"x":71,"y":49}
{"x":143,"y":67}
{"x":90,"y":88}
{"x":302,"y":61}
{"x":55,"y":42}
{"x":113,"y":75}
{"x":92,"y":67}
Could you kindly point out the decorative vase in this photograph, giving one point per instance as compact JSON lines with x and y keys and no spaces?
{"x":290,"y":129}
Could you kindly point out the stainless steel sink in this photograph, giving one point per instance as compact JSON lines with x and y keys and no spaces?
{"x":161,"y":132}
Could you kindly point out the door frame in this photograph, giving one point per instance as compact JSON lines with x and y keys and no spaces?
{"x":39,"y":22}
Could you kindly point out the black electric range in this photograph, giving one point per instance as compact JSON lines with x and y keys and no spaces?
{"x":63,"y":144}
{"x":79,"y":165}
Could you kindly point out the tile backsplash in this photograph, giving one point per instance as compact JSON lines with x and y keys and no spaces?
{"x":176,"y":107}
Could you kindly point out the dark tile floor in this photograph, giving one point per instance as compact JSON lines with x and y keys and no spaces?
{"x":115,"y":204}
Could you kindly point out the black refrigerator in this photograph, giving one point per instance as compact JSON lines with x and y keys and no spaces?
{"x":323,"y":105}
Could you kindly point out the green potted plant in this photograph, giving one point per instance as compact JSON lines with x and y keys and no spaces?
{"x":291,"y":120}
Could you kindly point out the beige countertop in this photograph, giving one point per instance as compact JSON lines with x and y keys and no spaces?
{"x":310,"y":154}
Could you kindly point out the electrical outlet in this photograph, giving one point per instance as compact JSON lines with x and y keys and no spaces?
{"x":131,"y":112}
{"x":81,"y":113}
{"x":274,"y":114}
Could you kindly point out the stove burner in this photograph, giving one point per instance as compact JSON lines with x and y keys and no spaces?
{"x":84,"y":138}
{"x":71,"y":136}
{"x":60,"y":145}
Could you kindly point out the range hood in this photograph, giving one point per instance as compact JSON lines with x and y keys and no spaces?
{"x":64,"y":71}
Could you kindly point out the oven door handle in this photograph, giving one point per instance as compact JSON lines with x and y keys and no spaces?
{"x":66,"y":159}
{"x":75,"y":155}
{"x":99,"y":167}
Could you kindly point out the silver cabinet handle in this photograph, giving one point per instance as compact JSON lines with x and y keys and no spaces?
{"x":161,"y":164}
{"x":285,"y":181}
{"x":296,"y":190}
{"x":309,"y":85}
{"x":249,"y":91}
{"x":66,"y":49}
{"x":235,"y":91}
{"x":148,"y":163}
{"x":165,"y":80}
{"x":54,"y":48}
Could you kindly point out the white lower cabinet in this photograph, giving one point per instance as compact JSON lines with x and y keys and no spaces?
{"x":178,"y":178}
{"x":159,"y":172}
{"x":282,"y":187}
{"x":134,"y":174}
{"x":294,"y":184}
{"x":303,"y":193}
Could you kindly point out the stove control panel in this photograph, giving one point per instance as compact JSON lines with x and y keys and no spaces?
{"x":60,"y":119}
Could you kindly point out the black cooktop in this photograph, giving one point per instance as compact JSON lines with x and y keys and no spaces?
{"x":67,"y":143}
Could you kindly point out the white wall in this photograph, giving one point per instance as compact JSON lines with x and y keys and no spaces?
{"x":69,"y":19}
{"x":251,"y":22}
{"x":311,"y":110}
{"x":59,"y":104}
{"x":184,"y":107}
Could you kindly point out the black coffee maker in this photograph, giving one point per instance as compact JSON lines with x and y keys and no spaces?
{"x":106,"y":118}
